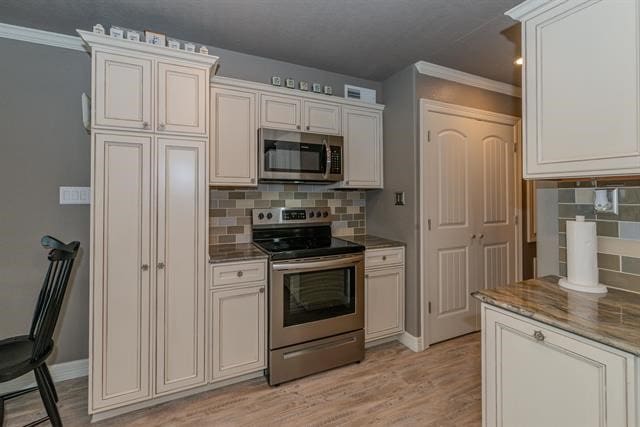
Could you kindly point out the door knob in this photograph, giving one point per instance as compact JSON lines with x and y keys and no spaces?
{"x":161,"y":265}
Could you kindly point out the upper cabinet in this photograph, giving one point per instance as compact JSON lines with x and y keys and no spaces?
{"x":147,"y":88}
{"x":581,"y":80}
{"x":234,"y":134}
{"x":322,"y":117}
{"x":362,"y":131}
{"x":182,"y":94}
{"x":280,"y":112}
{"x":122,"y":91}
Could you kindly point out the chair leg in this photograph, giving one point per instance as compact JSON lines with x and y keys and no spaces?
{"x":52,"y":387}
{"x":1,"y":412}
{"x":47,"y":398}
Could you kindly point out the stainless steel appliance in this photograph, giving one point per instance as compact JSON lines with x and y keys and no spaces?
{"x":299,"y":157}
{"x":316,"y":292}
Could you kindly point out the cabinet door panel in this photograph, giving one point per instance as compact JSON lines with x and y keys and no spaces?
{"x":280,"y":112}
{"x":581,"y":111}
{"x":324,"y":118}
{"x":181,"y":268}
{"x":362,"y":132}
{"x":233,"y":148}
{"x":238,"y":331}
{"x":122,"y":91}
{"x":384,"y":302}
{"x":182,"y":99}
{"x":528,"y":380}
{"x":120,"y":364}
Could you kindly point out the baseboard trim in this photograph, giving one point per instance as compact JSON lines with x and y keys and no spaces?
{"x":415,"y":344}
{"x":380,"y":341}
{"x":59,"y":372}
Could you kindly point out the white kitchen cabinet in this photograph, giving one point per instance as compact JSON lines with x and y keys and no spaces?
{"x":280,"y":112}
{"x":582,"y":90}
{"x":536,"y":375}
{"x":122,"y":91}
{"x":362,"y":132}
{"x":181,"y":264}
{"x":238,"y":330}
{"x":121,"y":270}
{"x":182,"y":99}
{"x":384,"y":285}
{"x":322,"y":117}
{"x":233,"y":148}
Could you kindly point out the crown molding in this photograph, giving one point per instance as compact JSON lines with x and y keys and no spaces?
{"x":47,"y":38}
{"x":450,"y":74}
{"x":521,"y":11}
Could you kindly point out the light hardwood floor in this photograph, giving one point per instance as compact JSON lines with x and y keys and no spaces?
{"x":392,"y":386}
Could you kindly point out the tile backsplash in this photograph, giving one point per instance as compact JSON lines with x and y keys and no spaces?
{"x":230,"y":208}
{"x":619,"y":235}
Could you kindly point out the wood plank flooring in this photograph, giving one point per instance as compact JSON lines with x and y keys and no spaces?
{"x":392,"y":386}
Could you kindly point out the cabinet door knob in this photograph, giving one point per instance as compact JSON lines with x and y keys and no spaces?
{"x":239,"y":274}
{"x":308,"y":127}
{"x":538,"y":335}
{"x":161,"y":126}
{"x":253,"y":180}
{"x":144,"y":267}
{"x":366,"y":276}
{"x":473,"y":236}
{"x":298,"y":127}
{"x":481,"y":236}
{"x":262,"y":290}
{"x":161,"y":265}
{"x":145,"y":125}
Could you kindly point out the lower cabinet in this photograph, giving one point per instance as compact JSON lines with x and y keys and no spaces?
{"x":537,"y":375}
{"x":384,"y":293}
{"x":237,"y":326}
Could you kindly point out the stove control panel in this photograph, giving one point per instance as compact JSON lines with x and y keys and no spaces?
{"x":282,"y":216}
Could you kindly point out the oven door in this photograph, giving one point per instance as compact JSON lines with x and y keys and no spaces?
{"x":315,"y":298}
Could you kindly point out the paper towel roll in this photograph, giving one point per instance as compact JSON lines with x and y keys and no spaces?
{"x":582,"y":257}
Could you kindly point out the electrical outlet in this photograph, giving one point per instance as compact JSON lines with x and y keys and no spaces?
{"x":75,"y":195}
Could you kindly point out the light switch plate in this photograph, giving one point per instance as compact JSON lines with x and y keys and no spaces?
{"x":75,"y":195}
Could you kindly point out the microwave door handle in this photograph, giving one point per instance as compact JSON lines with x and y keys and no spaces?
{"x":327,"y":151}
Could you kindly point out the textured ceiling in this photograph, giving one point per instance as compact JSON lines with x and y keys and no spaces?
{"x":370,"y":39}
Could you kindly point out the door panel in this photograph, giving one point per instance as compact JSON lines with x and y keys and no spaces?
{"x":362,"y":131}
{"x":280,"y":112}
{"x":182,"y":95}
{"x":120,"y":365}
{"x":384,"y":299}
{"x":469,"y":195}
{"x":322,"y":118}
{"x":233,"y":151}
{"x":122,"y":95}
{"x":181,"y":267}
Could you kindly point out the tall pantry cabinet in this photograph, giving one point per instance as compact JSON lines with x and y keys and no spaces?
{"x":148,"y":221}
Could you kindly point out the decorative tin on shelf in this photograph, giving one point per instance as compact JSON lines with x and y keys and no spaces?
{"x":132,"y":35}
{"x":328,"y":90}
{"x":203,"y":50}
{"x":116,"y":32}
{"x":98,"y":29}
{"x":316,"y":87}
{"x":303,"y":85}
{"x":276,"y":80}
{"x":173,"y":44}
{"x":290,"y":83}
{"x":156,"y":39}
{"x":190,"y":47}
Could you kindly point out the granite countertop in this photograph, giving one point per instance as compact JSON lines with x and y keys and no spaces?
{"x":612,"y":319}
{"x":234,"y":252}
{"x":370,"y":241}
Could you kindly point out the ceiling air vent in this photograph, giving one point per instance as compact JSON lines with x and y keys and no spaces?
{"x":360,"y":94}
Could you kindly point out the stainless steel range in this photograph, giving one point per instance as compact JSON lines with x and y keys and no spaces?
{"x":316,"y":292}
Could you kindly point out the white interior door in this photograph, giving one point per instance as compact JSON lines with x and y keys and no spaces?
{"x":468,"y":196}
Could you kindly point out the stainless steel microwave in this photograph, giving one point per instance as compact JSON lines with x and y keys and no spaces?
{"x":299,"y":156}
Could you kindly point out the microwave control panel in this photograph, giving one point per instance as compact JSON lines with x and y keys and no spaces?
{"x":336,"y":160}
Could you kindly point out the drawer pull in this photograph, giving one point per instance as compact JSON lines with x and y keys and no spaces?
{"x":384,"y":257}
{"x":239,"y":274}
{"x":538,"y":335}
{"x":262,"y":290}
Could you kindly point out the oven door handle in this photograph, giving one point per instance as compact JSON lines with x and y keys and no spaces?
{"x":306,"y":265}
{"x":327,"y":151}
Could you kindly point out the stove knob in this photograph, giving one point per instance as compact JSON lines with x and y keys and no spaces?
{"x":311,"y":215}
{"x":269,"y":215}
{"x":325,"y":214}
{"x":261,"y":216}
{"x":318,"y":214}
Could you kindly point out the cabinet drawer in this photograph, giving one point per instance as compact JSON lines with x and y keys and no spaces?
{"x":240,"y":272}
{"x":383,"y":257}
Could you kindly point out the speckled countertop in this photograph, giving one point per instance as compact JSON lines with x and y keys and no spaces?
{"x":370,"y":241}
{"x":612,"y":319}
{"x":234,"y":252}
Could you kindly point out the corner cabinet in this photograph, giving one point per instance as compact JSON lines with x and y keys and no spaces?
{"x":239,"y":108}
{"x":537,"y":375}
{"x":581,"y":80}
{"x":384,"y":285}
{"x":149,"y":216}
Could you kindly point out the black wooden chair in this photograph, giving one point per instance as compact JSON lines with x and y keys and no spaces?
{"x":20,"y":355}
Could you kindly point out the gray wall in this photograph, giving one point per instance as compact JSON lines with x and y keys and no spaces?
{"x":403,"y":92}
{"x":43,"y":146}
